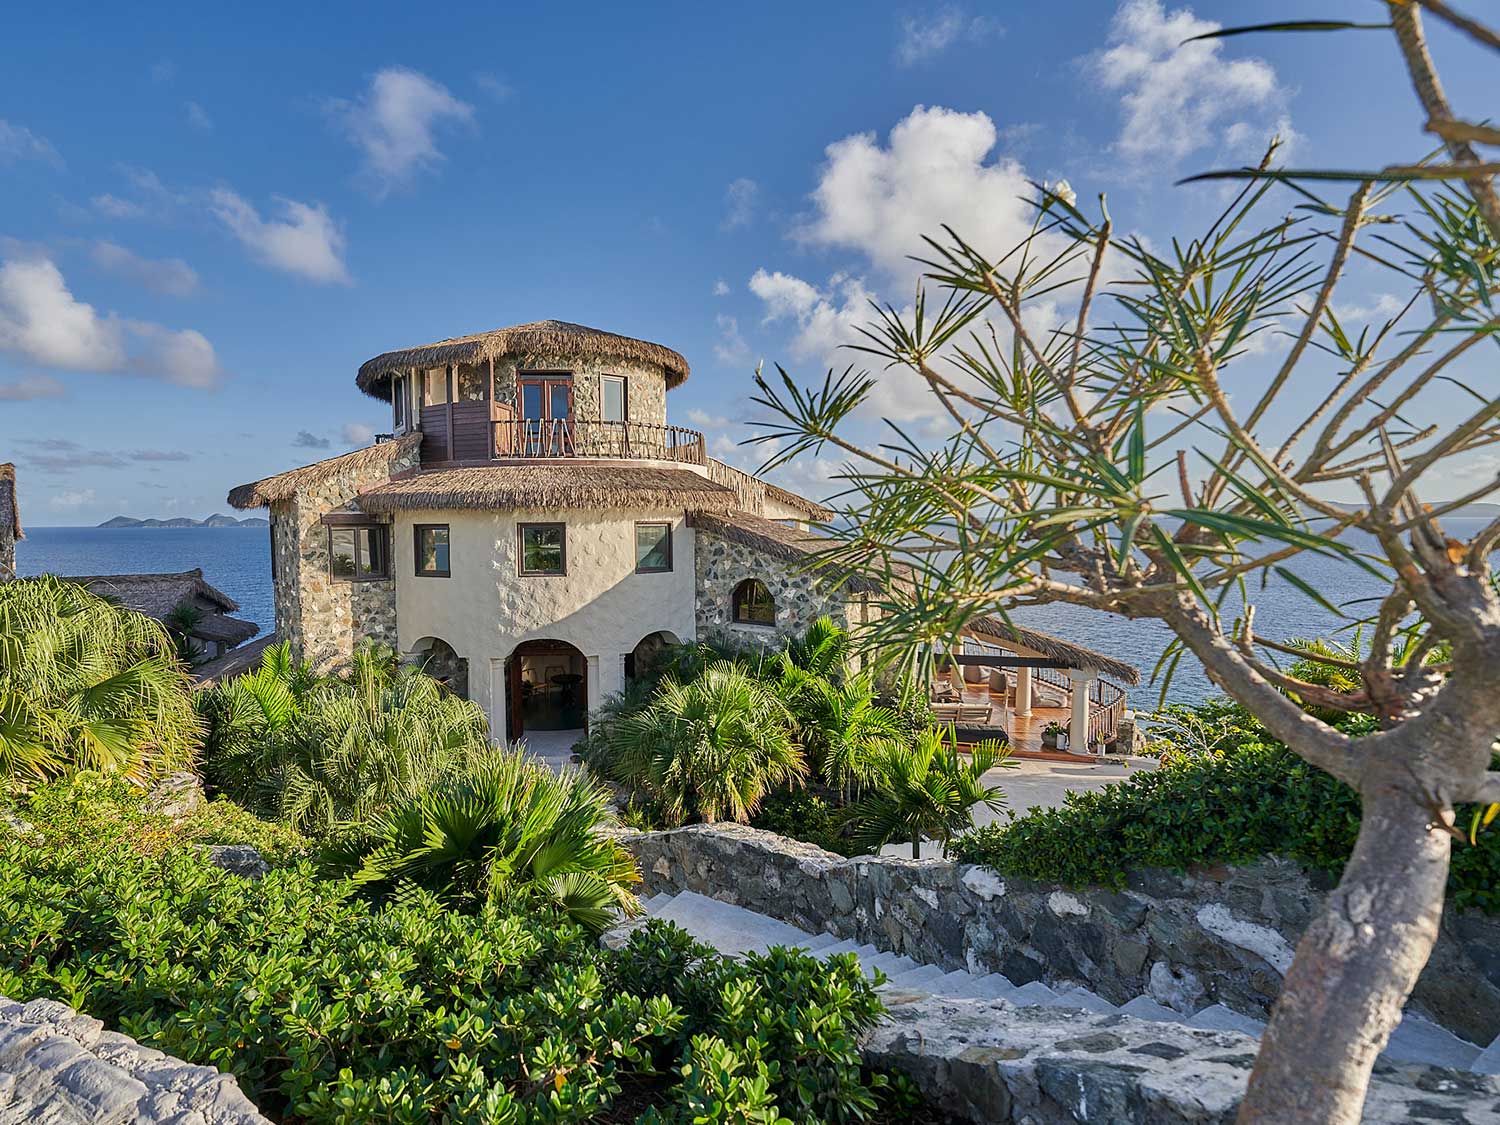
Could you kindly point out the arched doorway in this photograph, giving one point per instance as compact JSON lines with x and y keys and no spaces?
{"x":643,"y":659}
{"x":547,"y":689}
{"x":438,"y":659}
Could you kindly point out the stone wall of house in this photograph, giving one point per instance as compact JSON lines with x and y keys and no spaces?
{"x":7,"y":554}
{"x":322,"y":618}
{"x":63,"y":1068}
{"x":1222,"y":935}
{"x":801,"y":598}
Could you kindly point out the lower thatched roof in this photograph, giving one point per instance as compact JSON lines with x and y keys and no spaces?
{"x":10,"y":511}
{"x":155,"y":595}
{"x":548,"y":486}
{"x":223,"y":629}
{"x":540,"y":339}
{"x":244,"y":659}
{"x":283,"y":486}
{"x":794,"y":545}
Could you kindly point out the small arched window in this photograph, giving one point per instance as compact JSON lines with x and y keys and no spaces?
{"x":753,"y":604}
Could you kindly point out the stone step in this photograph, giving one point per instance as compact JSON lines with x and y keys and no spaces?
{"x":1420,"y":1040}
{"x":1076,"y":997}
{"x":991,"y":986}
{"x":1145,"y":1008}
{"x":818,"y":942}
{"x":959,"y":983}
{"x":1033,"y":992}
{"x":890,"y":963}
{"x":729,"y":929}
{"x":1216,"y":1017}
{"x":916,"y":979}
{"x":1488,"y":1061}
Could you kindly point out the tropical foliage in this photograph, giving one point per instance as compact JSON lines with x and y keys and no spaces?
{"x":922,"y":789}
{"x":710,"y":748}
{"x":87,"y":684}
{"x":320,"y":753}
{"x":509,"y":834}
{"x":331,"y":1008}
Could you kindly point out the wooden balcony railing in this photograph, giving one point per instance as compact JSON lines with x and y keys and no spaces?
{"x":519,"y":437}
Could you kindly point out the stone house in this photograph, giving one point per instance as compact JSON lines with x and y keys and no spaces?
{"x":533,"y":528}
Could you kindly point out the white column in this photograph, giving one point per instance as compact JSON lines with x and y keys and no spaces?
{"x":1078,"y":726}
{"x":597,"y":689}
{"x":1023,"y":691}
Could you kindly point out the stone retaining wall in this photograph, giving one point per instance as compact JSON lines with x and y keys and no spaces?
{"x":1222,"y":935}
{"x":63,"y":1068}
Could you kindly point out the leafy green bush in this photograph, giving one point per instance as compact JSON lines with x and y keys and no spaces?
{"x":1260,"y":799}
{"x":805,"y":816}
{"x":321,"y":754}
{"x":331,"y":1008}
{"x":510,"y":834}
{"x":87,"y":684}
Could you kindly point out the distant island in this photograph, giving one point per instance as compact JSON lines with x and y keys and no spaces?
{"x":215,"y":520}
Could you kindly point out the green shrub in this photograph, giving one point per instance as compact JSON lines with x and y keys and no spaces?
{"x":805,"y":816}
{"x":1258,"y":800}
{"x":512,"y":833}
{"x":323,"y":754}
{"x":332,"y":1008}
{"x":87,"y":684}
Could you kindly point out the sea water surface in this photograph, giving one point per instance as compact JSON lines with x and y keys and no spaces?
{"x":237,"y":560}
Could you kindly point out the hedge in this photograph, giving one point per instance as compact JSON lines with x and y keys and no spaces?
{"x":1255,"y":800}
{"x":331,"y":1008}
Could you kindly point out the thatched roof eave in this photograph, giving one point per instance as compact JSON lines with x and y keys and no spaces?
{"x":283,"y":486}
{"x":545,"y":487}
{"x":539,"y":339}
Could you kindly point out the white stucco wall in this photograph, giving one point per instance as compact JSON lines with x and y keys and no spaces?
{"x":601,"y":606}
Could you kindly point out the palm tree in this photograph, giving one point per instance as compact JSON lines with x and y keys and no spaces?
{"x":87,"y":684}
{"x":837,"y":723}
{"x":711,"y":748}
{"x":922,"y":788}
{"x":510,"y":833}
{"x":320,"y":753}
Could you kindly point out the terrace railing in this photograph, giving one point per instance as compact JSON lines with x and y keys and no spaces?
{"x":1106,"y":703}
{"x":521,"y":437}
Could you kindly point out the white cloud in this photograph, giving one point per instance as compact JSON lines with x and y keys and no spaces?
{"x":1179,"y":97}
{"x":706,"y":420}
{"x":925,"y":36}
{"x":721,"y":288}
{"x":305,"y":439}
{"x":163,"y":72}
{"x":72,"y":499}
{"x":171,"y":276}
{"x":358,"y":434}
{"x":19,"y":143}
{"x":395,"y":123}
{"x":934,"y":170}
{"x":494,"y":86}
{"x":198,"y":117}
{"x":731,"y":348}
{"x":30,"y":388}
{"x":41,"y":320}
{"x":305,"y":241}
{"x":147,"y":196}
{"x":117,"y":208}
{"x":739,"y":203}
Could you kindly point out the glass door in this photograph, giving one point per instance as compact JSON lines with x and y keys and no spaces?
{"x":546,"y":415}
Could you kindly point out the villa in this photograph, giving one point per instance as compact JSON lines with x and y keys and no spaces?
{"x":534,"y":528}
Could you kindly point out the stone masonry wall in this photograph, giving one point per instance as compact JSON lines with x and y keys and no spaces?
{"x":322,"y":618}
{"x":800,"y":597}
{"x":7,"y":554}
{"x":646,"y":395}
{"x":1224,"y":935}
{"x":63,"y":1068}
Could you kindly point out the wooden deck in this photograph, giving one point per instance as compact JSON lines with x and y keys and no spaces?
{"x":1025,"y":730}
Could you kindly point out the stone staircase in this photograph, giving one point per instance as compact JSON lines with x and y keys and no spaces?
{"x":737,"y":931}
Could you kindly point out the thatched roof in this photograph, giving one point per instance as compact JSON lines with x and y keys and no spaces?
{"x":244,"y":659}
{"x":542,"y":338}
{"x":548,"y":486}
{"x":225,"y":630}
{"x":283,"y":486}
{"x":10,"y":511}
{"x":155,"y":595}
{"x":751,"y":490}
{"x":792,"y":545}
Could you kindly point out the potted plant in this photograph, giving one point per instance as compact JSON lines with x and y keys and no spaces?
{"x":1055,"y":735}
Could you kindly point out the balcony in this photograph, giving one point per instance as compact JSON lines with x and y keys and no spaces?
{"x":472,"y":436}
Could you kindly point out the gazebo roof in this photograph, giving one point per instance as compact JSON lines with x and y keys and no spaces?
{"x":542,"y":338}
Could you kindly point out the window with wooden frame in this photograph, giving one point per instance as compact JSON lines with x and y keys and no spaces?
{"x":398,"y":403}
{"x":614,"y":398}
{"x":435,"y":386}
{"x":542,"y":549}
{"x":359,"y":553}
{"x":753,"y":604}
{"x":431,"y":550}
{"x":653,"y":547}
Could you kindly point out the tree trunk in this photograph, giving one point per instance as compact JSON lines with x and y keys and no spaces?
{"x":1355,"y":966}
{"x":916,"y":847}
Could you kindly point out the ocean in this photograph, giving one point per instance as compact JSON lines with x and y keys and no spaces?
{"x":238,"y":561}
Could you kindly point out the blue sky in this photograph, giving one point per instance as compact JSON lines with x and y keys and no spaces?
{"x":209,"y":219}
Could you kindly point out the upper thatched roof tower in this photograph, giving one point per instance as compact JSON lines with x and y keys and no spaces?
{"x":542,"y":338}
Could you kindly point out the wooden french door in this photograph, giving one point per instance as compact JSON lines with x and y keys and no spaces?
{"x":546,"y":403}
